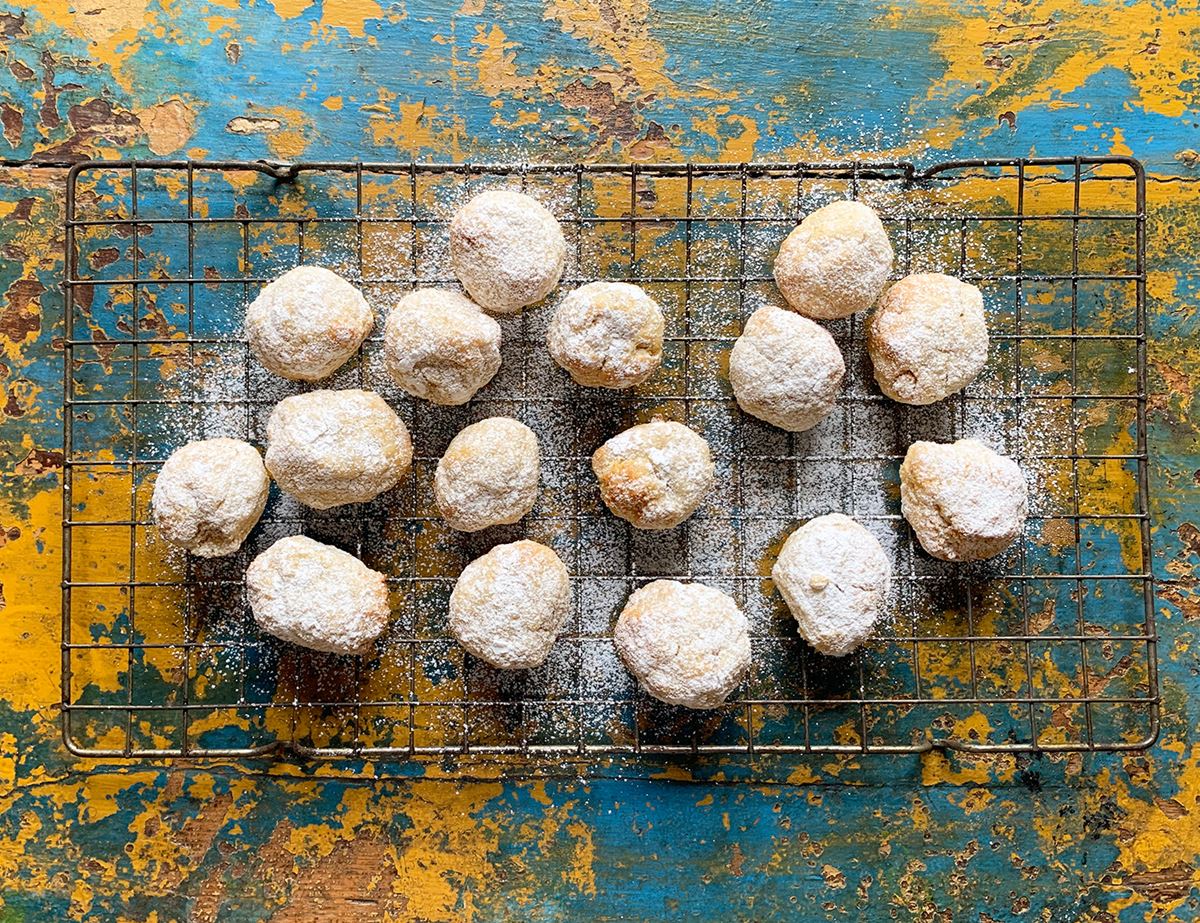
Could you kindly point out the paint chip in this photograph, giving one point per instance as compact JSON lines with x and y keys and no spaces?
{"x":252,"y":125}
{"x":168,"y":125}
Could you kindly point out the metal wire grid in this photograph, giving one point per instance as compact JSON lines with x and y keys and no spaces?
{"x":929,"y":679}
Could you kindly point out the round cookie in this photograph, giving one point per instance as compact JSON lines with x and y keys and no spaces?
{"x":329,"y":448}
{"x":835,"y":262}
{"x":208,"y":496}
{"x":928,"y":338}
{"x":439,"y":345}
{"x":654,"y":475}
{"x":317,"y":596}
{"x":507,"y":250}
{"x":509,"y":605}
{"x":685,"y":643}
{"x":834,"y":576}
{"x":488,"y":476}
{"x":307,"y":323}
{"x":607,"y":335}
{"x":785,"y":369}
{"x":964,"y":501}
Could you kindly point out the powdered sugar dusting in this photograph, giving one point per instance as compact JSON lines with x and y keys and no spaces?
{"x":607,"y":335}
{"x":509,"y":605}
{"x":329,"y":448}
{"x":655,"y":474}
{"x":963,"y":500}
{"x":506,"y":249}
{"x":317,"y":596}
{"x":688,"y":644}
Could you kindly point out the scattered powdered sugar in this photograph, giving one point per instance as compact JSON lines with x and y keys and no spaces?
{"x":767,"y":481}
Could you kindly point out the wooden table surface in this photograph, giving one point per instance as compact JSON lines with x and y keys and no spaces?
{"x":930,"y":837}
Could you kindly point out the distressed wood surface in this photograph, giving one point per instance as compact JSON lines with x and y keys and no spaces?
{"x":1080,"y":837}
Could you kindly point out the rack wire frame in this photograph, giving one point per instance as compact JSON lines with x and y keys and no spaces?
{"x":325,"y":714}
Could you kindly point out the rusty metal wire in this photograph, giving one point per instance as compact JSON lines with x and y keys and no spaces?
{"x":1052,"y":647}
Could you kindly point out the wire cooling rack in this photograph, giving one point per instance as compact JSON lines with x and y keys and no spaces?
{"x":1049,"y":647}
